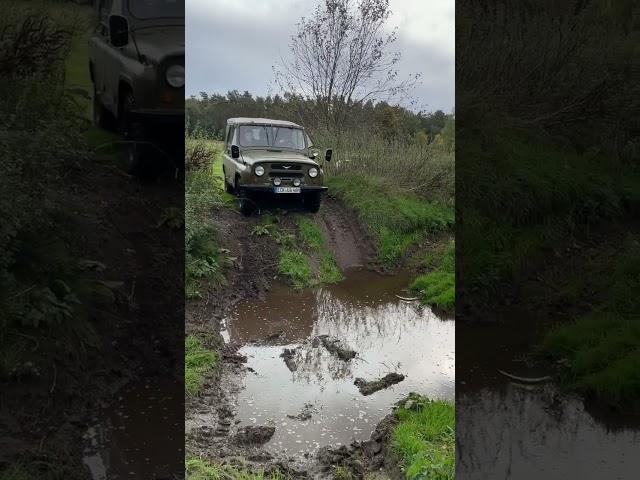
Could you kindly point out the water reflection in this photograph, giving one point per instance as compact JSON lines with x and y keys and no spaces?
{"x":365,"y":315}
{"x":531,"y":425}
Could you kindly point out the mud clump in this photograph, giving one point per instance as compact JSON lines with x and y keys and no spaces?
{"x":254,"y":435}
{"x":336,"y":348}
{"x":369,"y":387}
{"x":305,"y":414}
{"x":289,"y":358}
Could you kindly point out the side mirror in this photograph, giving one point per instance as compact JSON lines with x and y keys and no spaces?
{"x":235,"y":151}
{"x":328,"y":155}
{"x":118,"y":31}
{"x":313,"y":155}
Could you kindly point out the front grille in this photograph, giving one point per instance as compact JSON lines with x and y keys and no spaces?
{"x":287,"y":167}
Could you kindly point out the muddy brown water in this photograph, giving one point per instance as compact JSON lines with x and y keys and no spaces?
{"x":528,"y":432}
{"x":389,"y":335}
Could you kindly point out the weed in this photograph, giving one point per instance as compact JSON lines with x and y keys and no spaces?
{"x":198,"y":361}
{"x":342,"y":473}
{"x":424,"y":437}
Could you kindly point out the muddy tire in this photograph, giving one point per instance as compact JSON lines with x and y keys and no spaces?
{"x":312,"y":201}
{"x":102,"y":117}
{"x":247,"y":206}
{"x":140,"y":162}
{"x":227,"y":186}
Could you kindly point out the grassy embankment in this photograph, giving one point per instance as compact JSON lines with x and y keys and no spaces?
{"x":547,"y":197}
{"x":304,"y":258}
{"x":204,"y":259}
{"x":424,"y":438}
{"x":404,"y":193}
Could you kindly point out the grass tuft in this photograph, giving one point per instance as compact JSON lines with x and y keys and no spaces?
{"x":198,"y":361}
{"x":438,"y":287}
{"x":198,"y":469}
{"x":424,"y":437}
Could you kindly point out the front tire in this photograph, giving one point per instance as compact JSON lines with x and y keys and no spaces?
{"x":312,"y":201}
{"x":102,"y":117}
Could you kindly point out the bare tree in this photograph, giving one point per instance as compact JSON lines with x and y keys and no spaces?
{"x":342,"y":56}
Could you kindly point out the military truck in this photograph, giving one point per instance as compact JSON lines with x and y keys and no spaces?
{"x":272,"y":157}
{"x":136,"y":63}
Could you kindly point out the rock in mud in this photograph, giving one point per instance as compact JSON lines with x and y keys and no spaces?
{"x":367,"y":388}
{"x":289,"y":358}
{"x":335,"y":347}
{"x":305,"y":414}
{"x":251,"y":435}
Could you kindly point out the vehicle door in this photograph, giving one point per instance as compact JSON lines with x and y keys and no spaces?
{"x":101,"y":54}
{"x":228,"y":162}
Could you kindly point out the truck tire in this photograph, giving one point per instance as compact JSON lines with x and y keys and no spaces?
{"x":102,"y":117}
{"x":312,"y":201}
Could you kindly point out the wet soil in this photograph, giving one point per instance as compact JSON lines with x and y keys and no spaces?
{"x":115,"y":221}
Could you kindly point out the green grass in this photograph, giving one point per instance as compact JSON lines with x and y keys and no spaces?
{"x":599,"y":356}
{"x":424,"y":438}
{"x":438,"y":286}
{"x":598,"y":353}
{"x":310,"y":234}
{"x":198,"y":469}
{"x":203,"y":259}
{"x":294,"y":264}
{"x":396,"y":220}
{"x":301,"y":252}
{"x":15,"y":472}
{"x":522,"y":194}
{"x":329,"y":270}
{"x":198,"y":361}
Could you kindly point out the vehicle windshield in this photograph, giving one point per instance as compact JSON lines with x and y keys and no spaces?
{"x":150,"y":9}
{"x":273,"y":137}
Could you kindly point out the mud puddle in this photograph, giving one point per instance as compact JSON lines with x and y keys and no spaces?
{"x":142,"y":438}
{"x":311,"y":399}
{"x":508,"y":429}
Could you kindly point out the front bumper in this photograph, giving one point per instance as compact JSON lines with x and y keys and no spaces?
{"x":150,"y":118}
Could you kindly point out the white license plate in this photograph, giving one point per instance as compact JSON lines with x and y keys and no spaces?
{"x":287,"y":189}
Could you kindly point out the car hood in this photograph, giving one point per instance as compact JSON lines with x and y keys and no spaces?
{"x":255,"y":156}
{"x":159,"y":42}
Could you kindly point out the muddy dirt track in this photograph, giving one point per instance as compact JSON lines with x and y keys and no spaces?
{"x":117,"y":224}
{"x":285,"y":396}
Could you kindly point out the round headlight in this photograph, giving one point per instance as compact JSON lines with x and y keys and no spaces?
{"x":296,"y":182}
{"x":313,"y":172}
{"x":277,"y":181}
{"x":259,"y":170}
{"x":175,"y":76}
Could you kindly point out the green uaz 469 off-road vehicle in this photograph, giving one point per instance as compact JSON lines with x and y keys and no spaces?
{"x":271,"y":157}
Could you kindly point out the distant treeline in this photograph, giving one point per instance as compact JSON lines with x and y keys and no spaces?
{"x":207,"y":115}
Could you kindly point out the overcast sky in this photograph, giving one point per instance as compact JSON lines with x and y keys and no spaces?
{"x":232,"y":45}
